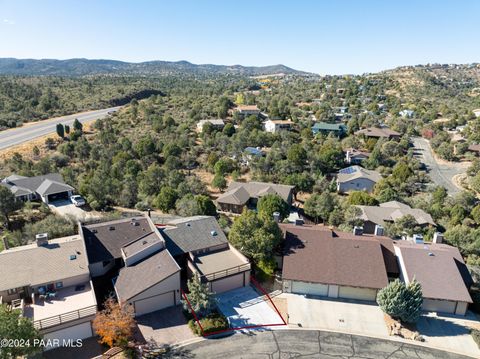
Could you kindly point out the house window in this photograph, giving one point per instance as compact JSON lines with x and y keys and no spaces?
{"x":12,"y":291}
{"x":59,"y":285}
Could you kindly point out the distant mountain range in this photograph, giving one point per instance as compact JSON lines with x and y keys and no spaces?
{"x":84,"y":67}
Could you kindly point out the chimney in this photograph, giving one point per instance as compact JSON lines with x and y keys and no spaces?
{"x":41,"y":239}
{"x":276,"y":217}
{"x":438,"y":237}
{"x":418,"y":238}
{"x":379,"y":230}
{"x":357,"y":230}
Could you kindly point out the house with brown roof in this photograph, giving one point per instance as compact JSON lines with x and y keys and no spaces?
{"x":321,"y":262}
{"x":442,"y":273}
{"x":246,"y":194}
{"x":356,"y":157}
{"x":247,"y":110}
{"x":379,"y":132}
{"x":391,"y":212}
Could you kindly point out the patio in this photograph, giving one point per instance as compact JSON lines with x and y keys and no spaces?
{"x":69,"y":303}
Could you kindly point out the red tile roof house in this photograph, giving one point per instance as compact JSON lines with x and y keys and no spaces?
{"x":319,"y":261}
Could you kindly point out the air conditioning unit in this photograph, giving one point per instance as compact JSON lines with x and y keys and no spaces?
{"x":417,"y":238}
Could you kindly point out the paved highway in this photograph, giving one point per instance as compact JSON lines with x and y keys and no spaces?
{"x":30,"y":131}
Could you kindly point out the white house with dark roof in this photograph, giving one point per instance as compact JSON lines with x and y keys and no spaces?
{"x":49,"y":282}
{"x":48,"y":188}
{"x":356,"y":178}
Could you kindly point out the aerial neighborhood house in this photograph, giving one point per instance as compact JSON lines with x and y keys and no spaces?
{"x":240,"y":195}
{"x":275,"y":126}
{"x":49,"y":282}
{"x":390,"y":212}
{"x":442,"y":273}
{"x":133,"y":253}
{"x":474,"y":149}
{"x":47,"y":188}
{"x":318,"y":261}
{"x":250,"y":153}
{"x":247,"y":110}
{"x":356,"y":157}
{"x":325,"y":128}
{"x":356,"y":178}
{"x":200,"y":247}
{"x":216,"y":124}
{"x":377,"y":132}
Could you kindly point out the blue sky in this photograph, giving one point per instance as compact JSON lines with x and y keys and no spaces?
{"x":326,"y":37}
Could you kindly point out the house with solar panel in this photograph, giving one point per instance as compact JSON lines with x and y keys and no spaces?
{"x":356,"y":178}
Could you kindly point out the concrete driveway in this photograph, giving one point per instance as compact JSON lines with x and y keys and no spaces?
{"x":67,"y":208}
{"x":340,"y":316}
{"x":449,"y":332}
{"x":167,"y":326}
{"x":245,"y":307}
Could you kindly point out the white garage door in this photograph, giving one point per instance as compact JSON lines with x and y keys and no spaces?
{"x":310,"y":288}
{"x":357,"y":293}
{"x":148,"y":305}
{"x":442,"y":306}
{"x":79,"y":331}
{"x":226,"y":284}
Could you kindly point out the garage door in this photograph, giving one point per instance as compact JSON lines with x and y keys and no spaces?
{"x":58,"y":196}
{"x":310,"y":288}
{"x":357,"y":293}
{"x":226,"y":284}
{"x":148,"y":305}
{"x":79,"y":331}
{"x":442,"y":306}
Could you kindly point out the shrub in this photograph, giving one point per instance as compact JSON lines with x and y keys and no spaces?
{"x":265,"y":269}
{"x":401,"y":301}
{"x":210,"y":324}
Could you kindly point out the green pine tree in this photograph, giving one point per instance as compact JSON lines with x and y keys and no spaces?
{"x":200,"y":297}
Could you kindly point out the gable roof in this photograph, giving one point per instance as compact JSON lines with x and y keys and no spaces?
{"x":31,"y":264}
{"x":105,"y":240}
{"x":135,"y":279}
{"x":314,"y":254}
{"x":44,"y":185}
{"x":378,"y":132}
{"x":324,"y":126}
{"x":439,"y":268}
{"x":392,"y":211}
{"x":191,"y":234}
{"x":237,"y":191}
{"x":355,"y":172}
{"x":247,"y":108}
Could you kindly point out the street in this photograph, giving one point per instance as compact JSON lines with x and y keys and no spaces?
{"x":30,"y":131}
{"x":305,"y":344}
{"x":440,"y":173}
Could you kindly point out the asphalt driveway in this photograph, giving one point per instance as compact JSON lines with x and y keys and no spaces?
{"x":335,"y":315}
{"x":245,"y":307}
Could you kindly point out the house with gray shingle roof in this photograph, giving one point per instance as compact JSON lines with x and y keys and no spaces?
{"x":48,"y":188}
{"x":356,"y":178}
{"x":390,"y":212}
{"x":241,"y":194}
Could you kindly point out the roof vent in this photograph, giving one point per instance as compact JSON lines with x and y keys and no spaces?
{"x":111,"y":228}
{"x":41,"y":239}
{"x":430,"y":254}
{"x":213,"y":233}
{"x":187,"y":224}
{"x":144,"y":242}
{"x":94,"y":231}
{"x":73,"y":257}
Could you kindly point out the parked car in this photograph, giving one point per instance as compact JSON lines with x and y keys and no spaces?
{"x":77,"y":200}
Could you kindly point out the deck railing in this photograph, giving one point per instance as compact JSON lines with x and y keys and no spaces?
{"x":65,"y":317}
{"x":227,"y":272}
